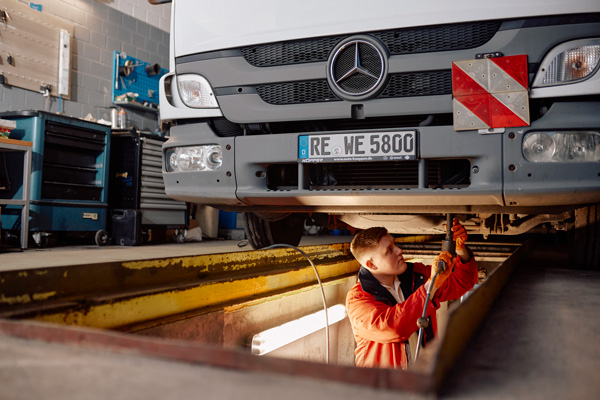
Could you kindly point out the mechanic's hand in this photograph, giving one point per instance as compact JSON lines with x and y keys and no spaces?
{"x":449,"y":261}
{"x":459,"y":235}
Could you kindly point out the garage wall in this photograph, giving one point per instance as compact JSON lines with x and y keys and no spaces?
{"x":157,"y":15}
{"x":99,"y":30}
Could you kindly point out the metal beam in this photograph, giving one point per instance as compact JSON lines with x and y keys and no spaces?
{"x":115,"y":295}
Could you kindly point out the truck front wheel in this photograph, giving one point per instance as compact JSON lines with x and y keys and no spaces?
{"x":263,"y":232}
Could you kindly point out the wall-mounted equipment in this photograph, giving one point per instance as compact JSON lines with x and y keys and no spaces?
{"x":35,"y":49}
{"x":135,"y":82}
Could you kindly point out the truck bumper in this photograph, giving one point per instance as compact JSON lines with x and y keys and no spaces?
{"x":498,"y":175}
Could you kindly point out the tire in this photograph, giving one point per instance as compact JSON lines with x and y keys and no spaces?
{"x":101,"y":238}
{"x":263,"y":232}
{"x":584,"y":241}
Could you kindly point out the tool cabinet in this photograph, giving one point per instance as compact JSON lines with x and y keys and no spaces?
{"x":137,"y":197}
{"x":69,"y":175}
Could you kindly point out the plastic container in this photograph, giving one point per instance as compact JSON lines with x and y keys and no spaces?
{"x":122,"y":119}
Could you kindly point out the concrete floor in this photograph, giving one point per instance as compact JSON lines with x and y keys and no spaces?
{"x":74,"y":255}
{"x":541,"y":338}
{"x":540,"y":341}
{"x":14,"y":259}
{"x":31,"y":370}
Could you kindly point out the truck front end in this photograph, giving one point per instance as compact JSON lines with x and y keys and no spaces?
{"x":281,"y":110}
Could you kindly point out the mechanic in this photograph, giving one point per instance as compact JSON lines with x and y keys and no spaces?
{"x":388,"y":299}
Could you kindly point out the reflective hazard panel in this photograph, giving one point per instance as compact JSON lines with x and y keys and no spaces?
{"x":490,"y":93}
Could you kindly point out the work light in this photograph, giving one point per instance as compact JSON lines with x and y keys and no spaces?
{"x":562,"y":146}
{"x":194,"y":158}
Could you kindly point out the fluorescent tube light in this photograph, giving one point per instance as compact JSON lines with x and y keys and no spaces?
{"x":274,"y":338}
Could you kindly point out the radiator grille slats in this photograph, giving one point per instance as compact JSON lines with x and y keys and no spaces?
{"x":296,"y":93}
{"x":400,"y":85}
{"x":438,"y":38}
{"x":364,"y":175}
{"x":418,"y":84}
{"x":288,"y":53}
{"x":379,"y":175}
{"x":398,"y":41}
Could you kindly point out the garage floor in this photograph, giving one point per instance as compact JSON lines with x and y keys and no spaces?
{"x":12,"y":259}
{"x":74,"y":255}
{"x":540,"y":341}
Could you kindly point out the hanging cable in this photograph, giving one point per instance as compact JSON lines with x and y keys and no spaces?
{"x":320,"y":286}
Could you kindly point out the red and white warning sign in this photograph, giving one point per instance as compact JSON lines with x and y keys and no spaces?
{"x":490,"y":93}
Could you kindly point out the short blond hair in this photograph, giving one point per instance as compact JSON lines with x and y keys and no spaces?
{"x":366,"y":241}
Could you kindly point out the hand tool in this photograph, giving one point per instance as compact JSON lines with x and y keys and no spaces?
{"x":447,"y":245}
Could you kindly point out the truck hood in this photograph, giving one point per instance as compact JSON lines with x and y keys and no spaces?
{"x":203,"y":26}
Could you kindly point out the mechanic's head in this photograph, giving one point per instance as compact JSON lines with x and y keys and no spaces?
{"x":366,"y":241}
{"x":375,"y":249}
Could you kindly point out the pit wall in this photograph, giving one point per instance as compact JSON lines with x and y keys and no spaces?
{"x":234,"y":326}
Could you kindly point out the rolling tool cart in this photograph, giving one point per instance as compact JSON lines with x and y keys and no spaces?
{"x":137,"y":197}
{"x":69,"y":175}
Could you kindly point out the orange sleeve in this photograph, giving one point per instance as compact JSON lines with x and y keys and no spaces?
{"x":462,"y":279}
{"x":376,"y":321}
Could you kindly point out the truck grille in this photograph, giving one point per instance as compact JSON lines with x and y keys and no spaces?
{"x":384,"y":175}
{"x":398,"y":41}
{"x":400,"y":85}
{"x":364,"y":175}
{"x":296,"y":92}
{"x":418,"y":84}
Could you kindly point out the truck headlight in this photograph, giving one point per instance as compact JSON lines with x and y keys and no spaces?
{"x":562,"y":146}
{"x":570,"y":62}
{"x":195,"y":91}
{"x":194,"y":158}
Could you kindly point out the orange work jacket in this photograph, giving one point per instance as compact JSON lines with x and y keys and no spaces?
{"x":382,"y":327}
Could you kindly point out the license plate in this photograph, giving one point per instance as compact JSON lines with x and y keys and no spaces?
{"x":351,"y":147}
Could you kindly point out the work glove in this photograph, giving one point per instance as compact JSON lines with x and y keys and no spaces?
{"x":459,"y":235}
{"x":447,"y":258}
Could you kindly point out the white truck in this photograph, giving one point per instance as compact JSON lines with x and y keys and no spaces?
{"x":388,"y":113}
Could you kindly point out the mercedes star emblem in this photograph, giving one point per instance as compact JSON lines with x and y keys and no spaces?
{"x":357,"y":68}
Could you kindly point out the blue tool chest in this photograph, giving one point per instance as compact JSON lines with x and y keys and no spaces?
{"x":69,"y":174}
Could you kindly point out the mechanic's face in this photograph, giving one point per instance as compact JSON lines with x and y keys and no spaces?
{"x":387,"y":259}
